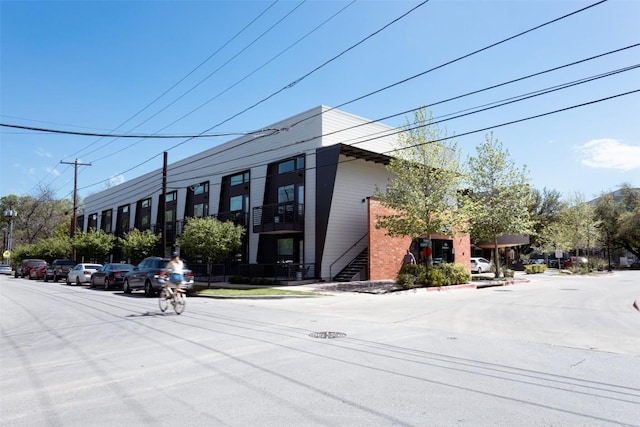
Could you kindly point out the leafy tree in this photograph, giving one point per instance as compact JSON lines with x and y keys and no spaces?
{"x":423,"y":188}
{"x":210,"y":239}
{"x":544,"y":207}
{"x":51,"y":248}
{"x":38,"y":216}
{"x":578,"y":227}
{"x":137,"y":245}
{"x":499,"y":195}
{"x":629,"y":231}
{"x":94,"y":245}
{"x":619,"y":220}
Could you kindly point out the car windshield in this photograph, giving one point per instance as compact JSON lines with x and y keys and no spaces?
{"x":93,"y":266}
{"x":65,"y":262}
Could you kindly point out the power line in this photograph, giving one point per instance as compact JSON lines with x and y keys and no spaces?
{"x":142,"y":136}
{"x":221,"y":173}
{"x":390,"y":132}
{"x":174,"y":85}
{"x":460,"y":58}
{"x":397,"y":83}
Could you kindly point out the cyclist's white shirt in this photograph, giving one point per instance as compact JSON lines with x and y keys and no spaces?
{"x":176,"y":266}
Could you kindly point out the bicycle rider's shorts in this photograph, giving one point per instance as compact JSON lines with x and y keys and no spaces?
{"x":175,"y":278}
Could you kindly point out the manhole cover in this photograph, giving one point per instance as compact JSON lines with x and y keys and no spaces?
{"x":326,"y":335}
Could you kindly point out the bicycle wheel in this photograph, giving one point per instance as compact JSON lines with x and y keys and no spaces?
{"x":179,"y":301}
{"x":162,"y":300}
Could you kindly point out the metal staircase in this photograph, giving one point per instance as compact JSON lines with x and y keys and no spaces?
{"x":358,"y":266}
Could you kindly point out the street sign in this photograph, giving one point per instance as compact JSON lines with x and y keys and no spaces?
{"x":558,"y":253}
{"x":6,"y":254}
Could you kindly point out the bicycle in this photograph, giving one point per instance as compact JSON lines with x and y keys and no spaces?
{"x":178,"y":299}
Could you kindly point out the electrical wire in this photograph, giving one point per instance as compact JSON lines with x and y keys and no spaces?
{"x":151,"y":136}
{"x":399,"y":82}
{"x":450,"y":116}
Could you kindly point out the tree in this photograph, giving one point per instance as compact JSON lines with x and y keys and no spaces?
{"x":619,"y":219}
{"x":137,"y":245}
{"x":578,"y":227}
{"x":57,"y":247}
{"x":423,"y":188}
{"x":95,"y":245}
{"x":38,"y":216}
{"x":210,"y":239}
{"x":544,"y":207}
{"x":499,"y":195}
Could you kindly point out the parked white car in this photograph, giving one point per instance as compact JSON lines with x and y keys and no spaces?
{"x":81,"y":273}
{"x":480,"y":265}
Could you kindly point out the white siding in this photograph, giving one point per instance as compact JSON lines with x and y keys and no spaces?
{"x":355,"y":181}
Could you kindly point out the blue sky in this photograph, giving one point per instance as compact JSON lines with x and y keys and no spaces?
{"x":93,"y":66}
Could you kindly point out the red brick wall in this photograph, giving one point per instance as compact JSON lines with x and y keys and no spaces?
{"x":386,"y":253}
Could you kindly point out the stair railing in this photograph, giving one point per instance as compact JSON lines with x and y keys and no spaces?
{"x":350,"y":250}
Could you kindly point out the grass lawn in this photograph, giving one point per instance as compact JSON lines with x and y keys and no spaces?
{"x":255,"y":292}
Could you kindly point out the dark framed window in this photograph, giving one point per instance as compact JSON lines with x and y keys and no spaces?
{"x":241,"y":178}
{"x":235,"y":203}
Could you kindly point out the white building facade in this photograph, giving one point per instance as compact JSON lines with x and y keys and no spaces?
{"x":300,"y":192}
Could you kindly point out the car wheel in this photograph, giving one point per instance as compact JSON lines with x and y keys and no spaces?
{"x":479,"y":270}
{"x":125,"y":287}
{"x":67,"y":281}
{"x":91,"y":283}
{"x":56,"y":278}
{"x":148,"y":289}
{"x":78,"y":281}
{"x":46,"y":278}
{"x":106,"y":283}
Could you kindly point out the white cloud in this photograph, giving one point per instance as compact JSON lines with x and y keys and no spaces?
{"x":609,"y":153}
{"x":53,"y":171}
{"x":42,"y":153}
{"x":115,"y":180}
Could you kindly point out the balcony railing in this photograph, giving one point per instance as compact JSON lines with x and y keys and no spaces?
{"x":279,"y":218}
{"x":237,"y":217}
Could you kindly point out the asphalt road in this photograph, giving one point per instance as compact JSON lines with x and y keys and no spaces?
{"x":558,"y":351}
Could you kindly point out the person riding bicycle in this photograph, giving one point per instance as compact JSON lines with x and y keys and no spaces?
{"x":175,"y":268}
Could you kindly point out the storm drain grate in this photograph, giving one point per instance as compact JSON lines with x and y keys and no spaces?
{"x":326,"y":335}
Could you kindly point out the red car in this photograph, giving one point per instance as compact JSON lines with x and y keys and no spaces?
{"x":36,"y":271}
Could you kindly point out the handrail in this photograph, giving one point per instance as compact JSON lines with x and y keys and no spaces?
{"x":345,"y":253}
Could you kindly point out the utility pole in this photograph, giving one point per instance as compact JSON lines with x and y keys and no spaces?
{"x":163,"y":212}
{"x":74,"y":219}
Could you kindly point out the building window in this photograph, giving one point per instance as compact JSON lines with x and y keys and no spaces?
{"x":201,"y":189}
{"x":106,"y":221}
{"x":93,"y":222}
{"x":291,"y":165}
{"x":286,"y":193}
{"x":235,"y":203}
{"x":199,"y":210}
{"x":171,"y":197}
{"x":238,"y":179}
{"x":285,"y":247}
{"x":146,"y":203}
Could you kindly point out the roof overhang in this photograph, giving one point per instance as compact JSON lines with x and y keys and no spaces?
{"x":359,"y":153}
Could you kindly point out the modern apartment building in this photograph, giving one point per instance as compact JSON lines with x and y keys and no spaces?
{"x":302,"y":188}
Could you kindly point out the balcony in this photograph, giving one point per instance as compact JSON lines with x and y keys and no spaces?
{"x":237,"y":217}
{"x":279,"y":218}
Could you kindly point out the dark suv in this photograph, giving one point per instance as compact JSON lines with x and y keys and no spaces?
{"x":149,"y":276}
{"x":23,"y":269}
{"x":58,"y":269}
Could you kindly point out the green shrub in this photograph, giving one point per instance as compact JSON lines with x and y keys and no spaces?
{"x":413,"y":275}
{"x":406,"y":280}
{"x":598,"y":264}
{"x":535,"y":268}
{"x":435,"y":277}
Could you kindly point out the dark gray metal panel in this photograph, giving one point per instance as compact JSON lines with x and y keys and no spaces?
{"x":326,"y":168}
